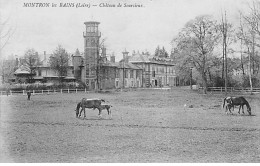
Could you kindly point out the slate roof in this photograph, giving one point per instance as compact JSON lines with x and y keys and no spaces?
{"x":22,"y":70}
{"x":121,"y":65}
{"x":145,"y":58}
{"x":140,"y":58}
{"x":127,"y":66}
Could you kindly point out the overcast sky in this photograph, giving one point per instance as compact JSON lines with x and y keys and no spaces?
{"x":156,"y":23}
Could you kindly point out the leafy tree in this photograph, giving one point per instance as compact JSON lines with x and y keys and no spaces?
{"x":162,"y":53}
{"x":157,"y":51}
{"x":59,"y":61}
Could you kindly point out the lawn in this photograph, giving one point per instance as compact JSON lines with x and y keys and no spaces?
{"x":146,"y":126}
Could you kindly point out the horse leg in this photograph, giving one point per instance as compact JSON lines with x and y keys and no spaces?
{"x":239,"y":109}
{"x":84,"y":113}
{"x":230,"y":111}
{"x":82,"y":109}
{"x":109,"y":113}
{"x":99,"y":112}
{"x":227,"y":109}
{"x":80,"y":112}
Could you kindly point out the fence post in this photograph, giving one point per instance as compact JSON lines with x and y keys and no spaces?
{"x":221,"y":89}
{"x":23,"y":92}
{"x":85,"y":90}
{"x":68,"y":90}
{"x":10,"y":92}
{"x":33,"y":92}
{"x":1,"y":93}
{"x":48,"y":91}
{"x":76,"y":90}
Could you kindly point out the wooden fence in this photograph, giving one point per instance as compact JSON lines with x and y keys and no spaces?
{"x":38,"y":92}
{"x":232,"y":89}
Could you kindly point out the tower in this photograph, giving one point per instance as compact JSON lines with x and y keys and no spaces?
{"x":91,"y":54}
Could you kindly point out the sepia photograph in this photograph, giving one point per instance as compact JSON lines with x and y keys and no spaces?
{"x":130,"y":81}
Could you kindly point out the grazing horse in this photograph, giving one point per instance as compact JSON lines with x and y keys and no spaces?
{"x":237,"y":101}
{"x":88,"y":103}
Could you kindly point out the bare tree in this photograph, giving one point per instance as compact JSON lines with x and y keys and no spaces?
{"x":6,"y":33}
{"x":100,"y":60}
{"x":196,"y":43}
{"x":7,"y":69}
{"x":227,"y":32}
{"x":249,"y":33}
{"x":59,"y":61}
{"x":31,"y":60}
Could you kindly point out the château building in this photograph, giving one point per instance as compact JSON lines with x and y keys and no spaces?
{"x":96,"y":71}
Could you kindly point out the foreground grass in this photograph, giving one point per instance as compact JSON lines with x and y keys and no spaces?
{"x":147,"y":126}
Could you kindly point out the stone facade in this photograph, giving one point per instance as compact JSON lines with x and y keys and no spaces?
{"x":157,"y":72}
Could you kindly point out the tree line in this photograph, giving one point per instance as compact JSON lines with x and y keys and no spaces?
{"x":213,"y":49}
{"x":58,"y":61}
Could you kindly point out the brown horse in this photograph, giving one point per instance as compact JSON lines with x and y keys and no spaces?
{"x":88,"y":103}
{"x":237,"y":101}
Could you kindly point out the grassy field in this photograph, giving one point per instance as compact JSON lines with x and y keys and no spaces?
{"x":146,"y":126}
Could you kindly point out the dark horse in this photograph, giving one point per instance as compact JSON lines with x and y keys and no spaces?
{"x":88,"y":103}
{"x":237,"y":101}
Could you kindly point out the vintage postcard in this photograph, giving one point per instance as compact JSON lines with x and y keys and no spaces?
{"x":129,"y":81}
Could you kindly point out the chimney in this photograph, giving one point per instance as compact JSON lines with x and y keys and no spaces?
{"x":44,"y":53}
{"x":112,"y":58}
{"x":16,"y":62}
{"x":125,"y":56}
